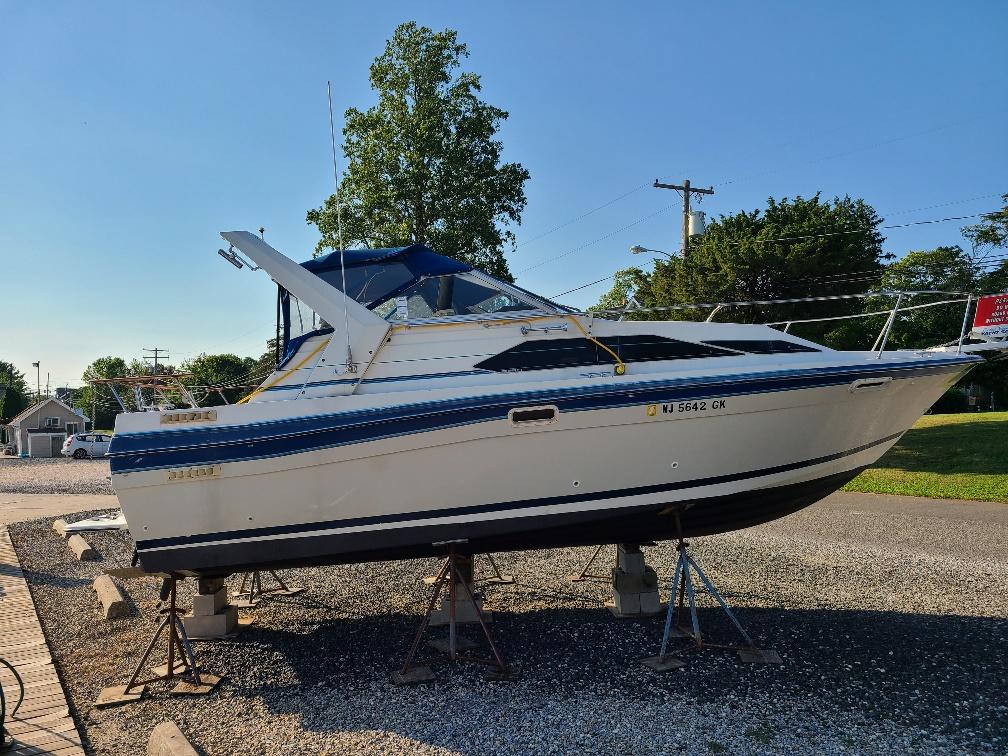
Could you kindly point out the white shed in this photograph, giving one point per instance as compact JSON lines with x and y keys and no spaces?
{"x":39,"y":431}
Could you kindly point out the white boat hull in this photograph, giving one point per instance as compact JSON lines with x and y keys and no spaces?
{"x":617,"y":462}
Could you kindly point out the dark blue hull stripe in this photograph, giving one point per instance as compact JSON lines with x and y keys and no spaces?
{"x":406,"y":517}
{"x":206,"y":445}
{"x":386,"y":379}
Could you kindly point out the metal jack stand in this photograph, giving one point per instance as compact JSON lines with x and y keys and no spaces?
{"x":414,"y":672}
{"x":256,"y":592}
{"x":185,"y":668}
{"x":683,"y":583}
{"x":584,"y":575}
{"x":496,"y":579}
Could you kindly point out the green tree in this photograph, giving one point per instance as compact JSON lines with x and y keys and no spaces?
{"x":992,"y":231}
{"x":14,"y":397}
{"x":941,"y":269}
{"x":226,"y":372}
{"x":791,"y":249}
{"x":424,"y":165}
{"x":98,"y":402}
{"x":631,"y":288}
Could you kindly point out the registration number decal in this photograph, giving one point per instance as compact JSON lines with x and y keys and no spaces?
{"x":685,"y":408}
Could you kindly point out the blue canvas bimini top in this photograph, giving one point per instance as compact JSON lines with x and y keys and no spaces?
{"x":375,"y":275}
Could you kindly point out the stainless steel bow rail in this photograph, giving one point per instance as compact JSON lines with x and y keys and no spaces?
{"x":880,"y":341}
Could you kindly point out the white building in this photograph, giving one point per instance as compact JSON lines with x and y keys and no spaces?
{"x":39,"y":431}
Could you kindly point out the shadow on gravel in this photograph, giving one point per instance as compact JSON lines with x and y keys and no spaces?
{"x":933,"y":672}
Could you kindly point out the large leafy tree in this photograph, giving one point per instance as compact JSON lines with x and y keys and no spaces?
{"x":424,"y":164}
{"x":791,"y":249}
{"x":943,"y":269}
{"x":14,"y":394}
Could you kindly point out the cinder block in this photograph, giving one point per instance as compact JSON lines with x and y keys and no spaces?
{"x":650,"y":602}
{"x":112,"y":599}
{"x":167,"y":740}
{"x":625,"y":582}
{"x":630,"y":558}
{"x":627,"y":603}
{"x":60,"y":527}
{"x":81,"y":548}
{"x":206,"y":605}
{"x":219,"y":625}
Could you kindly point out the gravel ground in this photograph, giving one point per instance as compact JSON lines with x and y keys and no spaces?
{"x":54,"y":476}
{"x":902,"y":653}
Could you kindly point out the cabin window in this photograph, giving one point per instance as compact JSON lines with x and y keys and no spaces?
{"x":296,"y":322}
{"x":52,"y":422}
{"x":440,"y":296}
{"x":544,"y":354}
{"x":763,"y":346}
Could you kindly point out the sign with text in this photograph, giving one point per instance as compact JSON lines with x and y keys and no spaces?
{"x":991,"y":319}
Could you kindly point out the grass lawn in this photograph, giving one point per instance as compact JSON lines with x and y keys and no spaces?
{"x":945,"y":457}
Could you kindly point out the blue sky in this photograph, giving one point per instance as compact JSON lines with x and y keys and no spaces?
{"x":131,"y":133}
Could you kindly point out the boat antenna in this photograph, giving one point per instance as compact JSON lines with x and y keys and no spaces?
{"x":339,"y":232}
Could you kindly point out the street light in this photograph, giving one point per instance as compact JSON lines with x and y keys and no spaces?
{"x":38,"y":381}
{"x":637,"y":250}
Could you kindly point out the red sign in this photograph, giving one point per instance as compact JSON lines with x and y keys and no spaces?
{"x":992,"y":315}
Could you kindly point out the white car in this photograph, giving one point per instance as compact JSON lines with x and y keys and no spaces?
{"x":81,"y":445}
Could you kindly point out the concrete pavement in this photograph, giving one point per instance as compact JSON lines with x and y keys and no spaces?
{"x":16,"y":507}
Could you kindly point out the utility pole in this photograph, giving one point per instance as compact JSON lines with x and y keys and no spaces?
{"x":685,"y":190}
{"x":157,"y":353}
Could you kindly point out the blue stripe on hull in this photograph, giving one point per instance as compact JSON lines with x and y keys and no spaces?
{"x":203,"y":445}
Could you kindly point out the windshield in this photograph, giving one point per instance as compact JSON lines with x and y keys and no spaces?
{"x":440,"y":296}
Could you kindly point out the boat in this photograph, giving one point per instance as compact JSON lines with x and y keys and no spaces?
{"x":419,"y":403}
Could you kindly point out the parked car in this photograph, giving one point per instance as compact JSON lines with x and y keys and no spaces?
{"x":81,"y":445}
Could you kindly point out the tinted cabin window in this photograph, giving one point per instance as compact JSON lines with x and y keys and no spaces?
{"x":558,"y":353}
{"x":764,"y":347}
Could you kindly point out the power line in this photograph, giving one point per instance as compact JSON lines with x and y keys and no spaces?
{"x":582,"y":216}
{"x":804,"y":237}
{"x":596,"y":241}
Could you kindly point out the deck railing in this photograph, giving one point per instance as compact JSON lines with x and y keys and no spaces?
{"x":880,"y":341}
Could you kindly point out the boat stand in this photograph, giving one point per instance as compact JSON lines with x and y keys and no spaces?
{"x":257,"y":593}
{"x":454,"y":646}
{"x":181,"y":663}
{"x":674,"y":627}
{"x":496,"y":579}
{"x":584,"y":575}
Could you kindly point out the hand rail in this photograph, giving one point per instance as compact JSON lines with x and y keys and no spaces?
{"x":881,"y":339}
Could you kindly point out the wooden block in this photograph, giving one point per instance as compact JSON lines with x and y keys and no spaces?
{"x":167,"y":740}
{"x":60,"y":527}
{"x":82,"y":549}
{"x":113,"y":601}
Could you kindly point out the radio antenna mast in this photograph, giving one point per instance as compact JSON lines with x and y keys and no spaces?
{"x":339,"y":232}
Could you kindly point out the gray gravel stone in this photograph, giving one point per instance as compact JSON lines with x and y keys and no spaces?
{"x":54,"y":476}
{"x":892,"y":630}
